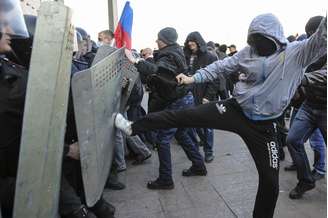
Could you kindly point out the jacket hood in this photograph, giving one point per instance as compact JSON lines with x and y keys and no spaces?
{"x":195,"y":37}
{"x":268,"y":25}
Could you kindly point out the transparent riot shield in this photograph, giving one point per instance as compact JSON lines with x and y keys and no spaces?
{"x":40,"y":161}
{"x":97,"y":94}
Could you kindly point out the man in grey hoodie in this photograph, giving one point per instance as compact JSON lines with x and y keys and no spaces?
{"x":272,"y":70}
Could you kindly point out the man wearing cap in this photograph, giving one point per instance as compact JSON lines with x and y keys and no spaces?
{"x":169,"y":61}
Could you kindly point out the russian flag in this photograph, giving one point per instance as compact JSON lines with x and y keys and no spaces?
{"x":124,"y":28}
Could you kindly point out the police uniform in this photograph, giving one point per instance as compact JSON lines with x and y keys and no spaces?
{"x":13,"y":81}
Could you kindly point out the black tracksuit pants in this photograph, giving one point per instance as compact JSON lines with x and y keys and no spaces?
{"x":259,"y":136}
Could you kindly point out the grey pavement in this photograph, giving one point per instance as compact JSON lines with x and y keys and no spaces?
{"x":227,"y":191}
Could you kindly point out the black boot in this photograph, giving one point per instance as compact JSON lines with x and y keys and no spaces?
{"x":80,"y":213}
{"x":103,"y":209}
{"x":195,"y":171}
{"x":300,"y":189}
{"x":291,"y":167}
{"x":159,"y":184}
{"x":140,"y":159}
{"x":113,"y":183}
{"x":317,"y":176}
{"x":209,"y":158}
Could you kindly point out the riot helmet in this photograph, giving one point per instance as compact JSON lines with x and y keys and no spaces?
{"x":85,"y":45}
{"x":83,"y":33}
{"x":11,"y":19}
{"x":22,"y":47}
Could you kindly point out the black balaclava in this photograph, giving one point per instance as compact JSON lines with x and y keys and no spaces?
{"x":262,"y":45}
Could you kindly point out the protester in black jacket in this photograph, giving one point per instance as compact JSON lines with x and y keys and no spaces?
{"x":198,"y":56}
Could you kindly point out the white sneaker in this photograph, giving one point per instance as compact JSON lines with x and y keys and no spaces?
{"x":123,"y":124}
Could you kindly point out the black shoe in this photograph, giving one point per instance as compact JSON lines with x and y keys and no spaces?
{"x":121,"y":170}
{"x":80,"y":213}
{"x":291,"y":167}
{"x":209,"y":158}
{"x":103,"y":209}
{"x":317,"y":176}
{"x":158,"y":184}
{"x":300,"y":189}
{"x":114,"y":185}
{"x":140,"y":159}
{"x":195,"y":171}
{"x":200,"y":144}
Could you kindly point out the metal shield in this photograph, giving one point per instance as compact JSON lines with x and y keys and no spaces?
{"x":41,"y":151}
{"x":97,"y":96}
{"x":127,"y":70}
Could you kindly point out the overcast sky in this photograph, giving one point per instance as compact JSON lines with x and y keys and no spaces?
{"x":225,"y":22}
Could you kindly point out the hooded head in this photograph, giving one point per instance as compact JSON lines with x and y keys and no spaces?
{"x":312,"y":25}
{"x":197,"y":38}
{"x":265,"y":34}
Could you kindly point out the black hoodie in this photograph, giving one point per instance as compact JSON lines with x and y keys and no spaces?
{"x":207,"y":90}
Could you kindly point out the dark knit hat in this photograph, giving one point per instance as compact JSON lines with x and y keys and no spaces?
{"x":312,"y":25}
{"x":168,"y":35}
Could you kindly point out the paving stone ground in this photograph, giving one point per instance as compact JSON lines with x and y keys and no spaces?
{"x":227,"y":191}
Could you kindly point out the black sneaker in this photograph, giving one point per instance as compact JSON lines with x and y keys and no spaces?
{"x":140,"y":159}
{"x":317,"y":176}
{"x":114,"y":185}
{"x":209,"y":158}
{"x":80,"y":213}
{"x":195,"y":171}
{"x":159,"y":184}
{"x":291,"y":167}
{"x":103,"y":209}
{"x":300,"y":189}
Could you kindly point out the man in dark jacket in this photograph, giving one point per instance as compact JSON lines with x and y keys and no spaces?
{"x":198,"y":56}
{"x":167,"y":95}
{"x":311,"y":115}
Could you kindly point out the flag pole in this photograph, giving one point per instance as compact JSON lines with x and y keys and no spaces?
{"x":112,"y":14}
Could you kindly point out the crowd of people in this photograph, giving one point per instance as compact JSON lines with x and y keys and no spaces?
{"x":193,"y":89}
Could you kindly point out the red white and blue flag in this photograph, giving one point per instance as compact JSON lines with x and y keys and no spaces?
{"x":124,"y":28}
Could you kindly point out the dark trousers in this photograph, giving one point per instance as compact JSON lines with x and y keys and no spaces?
{"x":306,"y":121}
{"x":7,"y":195}
{"x":260,"y":138}
{"x":71,"y":196}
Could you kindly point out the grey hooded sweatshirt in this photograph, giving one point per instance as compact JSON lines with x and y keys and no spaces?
{"x":270,"y":81}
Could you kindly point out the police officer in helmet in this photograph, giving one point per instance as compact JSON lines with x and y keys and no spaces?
{"x":13,"y":80}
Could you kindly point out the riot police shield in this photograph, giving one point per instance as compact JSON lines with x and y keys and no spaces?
{"x":39,"y":171}
{"x":97,"y":94}
{"x":128,"y":70}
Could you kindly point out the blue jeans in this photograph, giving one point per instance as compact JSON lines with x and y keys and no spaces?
{"x":306,"y":121}
{"x":318,"y":146}
{"x":119,"y":151}
{"x":164,"y":138}
{"x":206,"y":138}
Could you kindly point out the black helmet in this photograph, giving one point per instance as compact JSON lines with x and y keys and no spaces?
{"x":22,"y":47}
